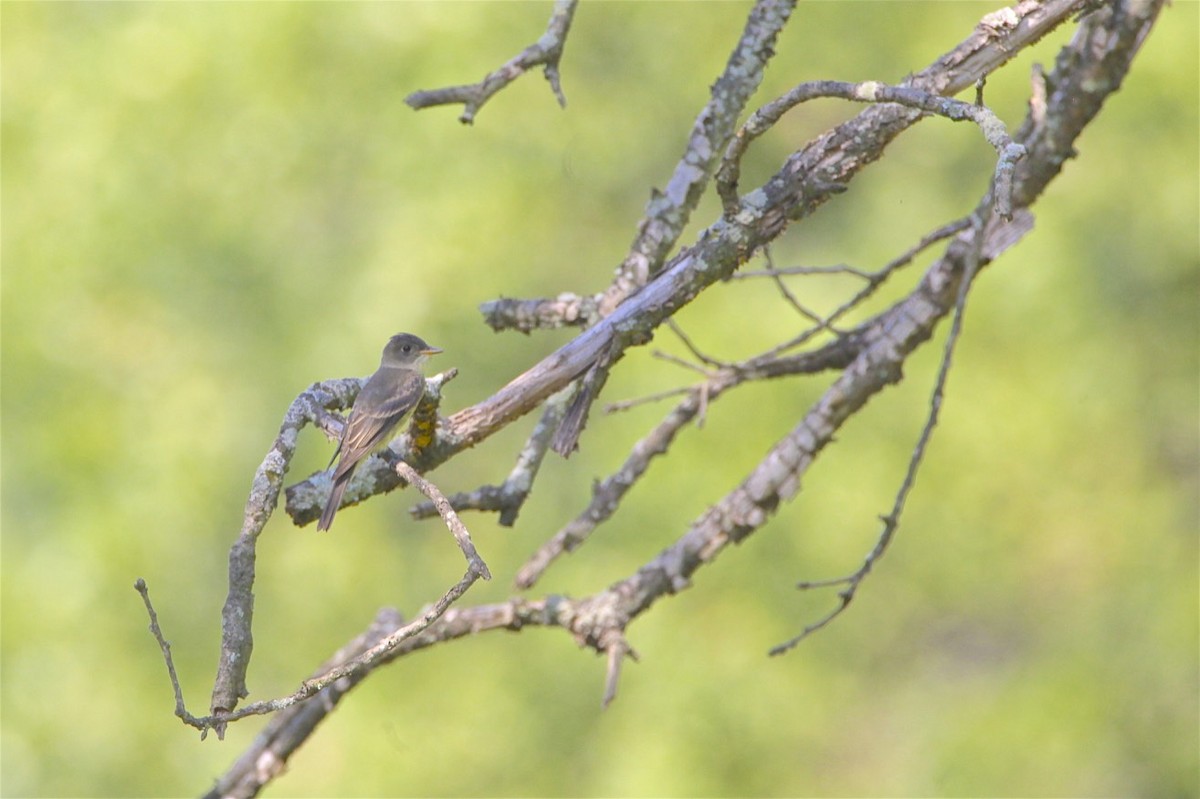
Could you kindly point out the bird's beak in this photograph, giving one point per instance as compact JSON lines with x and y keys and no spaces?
{"x":431,"y":351}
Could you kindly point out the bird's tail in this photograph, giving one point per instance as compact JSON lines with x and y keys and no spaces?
{"x":335,"y":499}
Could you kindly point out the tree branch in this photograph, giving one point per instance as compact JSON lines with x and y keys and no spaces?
{"x":545,"y":51}
{"x":606,"y":496}
{"x":284,"y":734}
{"x":455,"y":525}
{"x":808,"y":178}
{"x":354,"y":667}
{"x":1091,"y":68}
{"x":892,"y":521}
{"x":237,"y":615}
{"x":872,"y":92}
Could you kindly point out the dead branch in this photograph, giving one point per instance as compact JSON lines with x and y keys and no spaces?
{"x":546,"y":52}
{"x":237,"y":640}
{"x":463,"y":538}
{"x":353,"y":667}
{"x":808,"y":178}
{"x":872,"y":92}
{"x":284,"y":734}
{"x":892,"y":520}
{"x":1090,"y":68}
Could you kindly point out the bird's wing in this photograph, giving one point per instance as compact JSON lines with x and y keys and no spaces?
{"x":376,"y":412}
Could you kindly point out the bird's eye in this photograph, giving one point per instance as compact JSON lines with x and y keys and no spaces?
{"x":408,"y":348}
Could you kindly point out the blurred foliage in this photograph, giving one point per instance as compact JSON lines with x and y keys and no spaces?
{"x":207,"y":207}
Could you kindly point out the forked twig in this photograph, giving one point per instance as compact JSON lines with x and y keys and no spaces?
{"x":875,"y":280}
{"x":267,"y":758}
{"x":366,"y":661}
{"x":546,"y":51}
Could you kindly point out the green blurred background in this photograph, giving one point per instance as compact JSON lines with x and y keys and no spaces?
{"x":207,"y":207}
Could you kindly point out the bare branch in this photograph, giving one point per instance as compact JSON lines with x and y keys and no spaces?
{"x":818,"y":322}
{"x":806,"y":180}
{"x":668,"y":212}
{"x":606,"y":496}
{"x":455,"y":525}
{"x":237,"y":640}
{"x":892,"y":521}
{"x":545,"y":51}
{"x":180,"y":708}
{"x":528,"y":315}
{"x":670,"y":358}
{"x":624,"y":405}
{"x":872,"y":92}
{"x":874,"y":281}
{"x":692,"y":348}
{"x":267,"y":757}
{"x":776,"y":479}
{"x":237,"y":615}
{"x":838,"y":269}
{"x":354,"y":667}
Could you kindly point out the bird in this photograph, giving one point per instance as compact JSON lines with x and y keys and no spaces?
{"x":386,"y":400}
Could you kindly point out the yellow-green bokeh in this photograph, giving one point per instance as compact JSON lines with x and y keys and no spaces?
{"x":207,"y":207}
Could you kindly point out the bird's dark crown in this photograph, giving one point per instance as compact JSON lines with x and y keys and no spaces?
{"x":406,"y":349}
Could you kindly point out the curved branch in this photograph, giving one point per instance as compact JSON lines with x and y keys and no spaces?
{"x":312,"y":406}
{"x":872,"y":92}
{"x":238,"y":611}
{"x":267,"y":757}
{"x":352,"y":668}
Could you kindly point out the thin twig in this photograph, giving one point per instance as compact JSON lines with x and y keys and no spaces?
{"x":876,"y":280}
{"x":180,"y":708}
{"x":820,"y":322}
{"x":837,"y":269}
{"x":309,"y":688}
{"x":624,"y":405}
{"x":892,"y":521}
{"x":675,"y":359}
{"x":455,"y":525}
{"x":546,"y":51}
{"x":674,"y":327}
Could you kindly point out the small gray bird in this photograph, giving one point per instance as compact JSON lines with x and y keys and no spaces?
{"x":385,"y":401}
